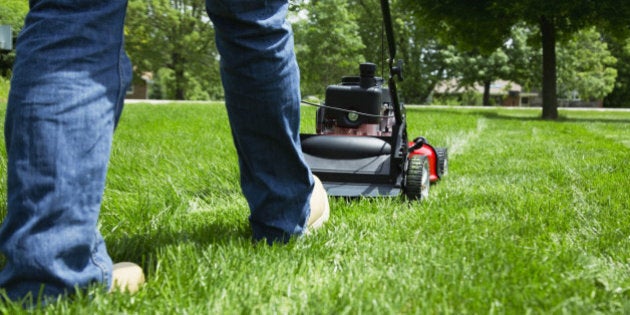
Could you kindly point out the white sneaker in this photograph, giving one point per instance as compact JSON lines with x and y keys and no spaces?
{"x":320,"y":209}
{"x":127,"y":277}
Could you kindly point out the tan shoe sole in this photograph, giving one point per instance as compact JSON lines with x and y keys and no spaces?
{"x":320,"y":208}
{"x":127,"y":277}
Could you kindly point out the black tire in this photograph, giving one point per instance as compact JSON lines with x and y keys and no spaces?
{"x":442,"y":161}
{"x":417,"y":181}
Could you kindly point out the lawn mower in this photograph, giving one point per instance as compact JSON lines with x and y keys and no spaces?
{"x":361,"y":147}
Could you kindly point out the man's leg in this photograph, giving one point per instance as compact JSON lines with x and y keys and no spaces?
{"x":262,"y":92}
{"x":69,"y":80}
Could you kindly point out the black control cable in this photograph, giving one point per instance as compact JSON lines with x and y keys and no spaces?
{"x":344,"y":110}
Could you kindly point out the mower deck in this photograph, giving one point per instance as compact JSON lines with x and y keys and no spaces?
{"x":354,"y":166}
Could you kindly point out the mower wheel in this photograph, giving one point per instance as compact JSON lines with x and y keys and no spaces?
{"x":442,"y":161}
{"x":417,"y":180}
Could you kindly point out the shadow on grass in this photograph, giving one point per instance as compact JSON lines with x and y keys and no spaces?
{"x":492,"y":113}
{"x":145,"y":248}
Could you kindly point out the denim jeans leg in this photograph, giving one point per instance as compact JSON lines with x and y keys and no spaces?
{"x":262,"y":91}
{"x":69,"y":79}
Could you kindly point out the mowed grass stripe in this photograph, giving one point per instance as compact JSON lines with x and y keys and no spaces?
{"x":511,"y":182}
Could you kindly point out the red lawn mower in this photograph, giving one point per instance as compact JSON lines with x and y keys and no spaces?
{"x":361,"y":147}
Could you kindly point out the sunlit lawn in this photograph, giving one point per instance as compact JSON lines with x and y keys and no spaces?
{"x":532,"y":218}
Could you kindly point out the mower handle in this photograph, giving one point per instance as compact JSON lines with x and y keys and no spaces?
{"x":394,"y":71}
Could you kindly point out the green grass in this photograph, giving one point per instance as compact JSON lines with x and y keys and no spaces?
{"x":532,"y":218}
{"x":4,"y":89}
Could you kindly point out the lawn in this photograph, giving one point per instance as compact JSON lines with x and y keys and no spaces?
{"x":532,"y":218}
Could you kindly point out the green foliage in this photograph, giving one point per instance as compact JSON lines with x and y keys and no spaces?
{"x":620,"y":96}
{"x":525,"y":55}
{"x":471,"y":68}
{"x":478,"y":68}
{"x":586,"y":66}
{"x":469,"y":25}
{"x":176,"y":35}
{"x":424,"y":57}
{"x":163,"y":87}
{"x":199,"y":89}
{"x":327,"y":45}
{"x":486,"y":25}
{"x":515,"y":60}
{"x":437,"y":40}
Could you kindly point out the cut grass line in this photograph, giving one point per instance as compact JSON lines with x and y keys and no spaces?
{"x":605,"y":131}
{"x":458,"y":143}
{"x":585,"y":211}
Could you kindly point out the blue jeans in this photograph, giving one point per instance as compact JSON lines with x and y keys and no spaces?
{"x":67,"y":91}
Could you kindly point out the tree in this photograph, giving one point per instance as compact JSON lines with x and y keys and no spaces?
{"x":586,"y":66}
{"x":425,"y":58}
{"x":525,"y":57}
{"x":175,"y":35}
{"x":327,"y":45}
{"x":620,"y":96}
{"x":486,"y":24}
{"x":475,"y":68}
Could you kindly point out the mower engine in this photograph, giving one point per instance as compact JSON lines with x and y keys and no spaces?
{"x":360,"y":106}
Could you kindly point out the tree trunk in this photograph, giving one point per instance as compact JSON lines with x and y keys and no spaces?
{"x":179,"y":85}
{"x":486,"y":92}
{"x":178,"y":70}
{"x":549,"y":91}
